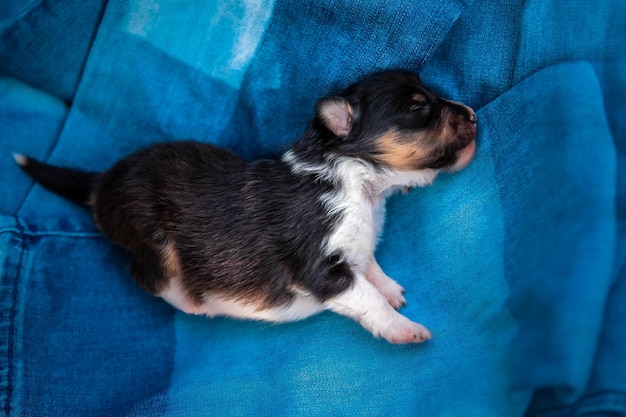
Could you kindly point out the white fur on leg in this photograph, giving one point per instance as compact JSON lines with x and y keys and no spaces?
{"x":389,"y":288}
{"x":363,"y":303}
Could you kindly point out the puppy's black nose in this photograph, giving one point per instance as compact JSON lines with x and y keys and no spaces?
{"x":473,"y":118}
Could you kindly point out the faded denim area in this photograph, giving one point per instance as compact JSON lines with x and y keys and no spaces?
{"x":517,"y":263}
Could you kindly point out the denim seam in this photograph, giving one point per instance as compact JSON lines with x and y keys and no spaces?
{"x":20,"y":227}
{"x":9,"y":349}
{"x":435,"y":26}
{"x":59,"y":233}
{"x":10,"y":346}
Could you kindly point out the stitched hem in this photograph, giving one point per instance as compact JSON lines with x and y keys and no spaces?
{"x":50,"y":226}
{"x":13,"y":230}
{"x":10,"y":314}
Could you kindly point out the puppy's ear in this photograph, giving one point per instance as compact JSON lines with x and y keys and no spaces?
{"x":336,"y":114}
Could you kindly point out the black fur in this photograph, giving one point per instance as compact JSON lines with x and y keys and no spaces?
{"x":73,"y":184}
{"x":204,"y":199}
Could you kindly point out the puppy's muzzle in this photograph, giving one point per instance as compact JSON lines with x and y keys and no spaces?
{"x":466,"y":133}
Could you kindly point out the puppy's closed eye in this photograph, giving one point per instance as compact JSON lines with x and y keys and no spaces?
{"x":419,"y":106}
{"x":419,"y":103}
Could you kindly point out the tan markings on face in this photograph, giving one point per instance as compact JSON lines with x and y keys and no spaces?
{"x":414,"y":150}
{"x":402,"y":152}
{"x":170,"y":260}
{"x":446,"y":133}
{"x":418,"y":97}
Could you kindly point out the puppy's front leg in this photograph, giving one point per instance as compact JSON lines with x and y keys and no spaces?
{"x":365,"y":304}
{"x":388,"y":287}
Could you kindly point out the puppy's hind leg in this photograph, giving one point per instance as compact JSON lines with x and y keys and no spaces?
{"x":157,"y":271}
{"x":388,"y":287}
{"x":365,"y":304}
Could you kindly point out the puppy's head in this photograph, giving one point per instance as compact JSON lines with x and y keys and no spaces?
{"x":392,"y":120}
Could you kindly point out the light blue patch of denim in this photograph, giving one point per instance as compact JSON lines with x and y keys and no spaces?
{"x":219,"y":38}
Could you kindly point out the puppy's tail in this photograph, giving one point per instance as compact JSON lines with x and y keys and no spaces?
{"x":72,"y":184}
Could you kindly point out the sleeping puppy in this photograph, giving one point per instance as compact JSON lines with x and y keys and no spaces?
{"x":279,"y":240}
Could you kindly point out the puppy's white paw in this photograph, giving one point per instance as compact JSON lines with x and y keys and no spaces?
{"x":366,"y":304}
{"x":392,"y":291}
{"x":405,"y":331}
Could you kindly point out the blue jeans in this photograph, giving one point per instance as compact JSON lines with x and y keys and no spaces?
{"x":516,"y":264}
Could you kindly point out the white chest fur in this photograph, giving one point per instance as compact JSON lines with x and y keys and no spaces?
{"x":359,"y":202}
{"x":360,"y":207}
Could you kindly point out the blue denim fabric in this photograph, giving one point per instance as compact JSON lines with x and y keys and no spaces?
{"x":498,"y":46}
{"x":46,"y":43}
{"x":516,"y":263}
{"x":30,"y":120}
